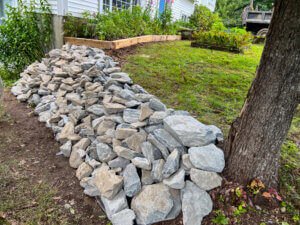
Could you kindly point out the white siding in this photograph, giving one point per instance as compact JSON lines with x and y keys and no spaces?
{"x":53,"y":4}
{"x":182,"y":8}
{"x":77,"y":7}
{"x":211,"y":4}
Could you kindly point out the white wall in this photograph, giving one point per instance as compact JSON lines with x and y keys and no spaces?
{"x":76,"y":7}
{"x":182,"y":8}
{"x":211,"y":4}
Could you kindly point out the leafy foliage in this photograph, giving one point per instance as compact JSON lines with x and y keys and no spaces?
{"x":25,"y":34}
{"x":84,"y":27}
{"x":120,"y":24}
{"x":235,"y":40}
{"x":203,"y":19}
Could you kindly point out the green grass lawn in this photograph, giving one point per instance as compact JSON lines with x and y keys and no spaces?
{"x":212,"y":85}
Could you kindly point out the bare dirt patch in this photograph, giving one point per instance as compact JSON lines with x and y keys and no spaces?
{"x":36,"y":186}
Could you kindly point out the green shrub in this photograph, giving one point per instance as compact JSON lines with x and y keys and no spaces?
{"x":133,"y":22}
{"x":203,"y":19}
{"x":80,"y":27}
{"x":120,"y":24}
{"x":25,"y":35}
{"x":232,"y":40}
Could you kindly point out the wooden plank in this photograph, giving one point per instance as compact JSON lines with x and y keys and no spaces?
{"x":89,"y":42}
{"x":122,"y":43}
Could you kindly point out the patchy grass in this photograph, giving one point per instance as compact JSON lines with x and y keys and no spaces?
{"x":212,"y":85}
{"x":25,"y":202}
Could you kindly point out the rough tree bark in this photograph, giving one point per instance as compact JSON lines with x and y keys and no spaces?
{"x":255,"y":138}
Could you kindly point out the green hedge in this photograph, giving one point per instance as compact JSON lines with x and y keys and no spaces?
{"x":120,"y":24}
{"x":235,"y":40}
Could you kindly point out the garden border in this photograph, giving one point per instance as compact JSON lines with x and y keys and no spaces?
{"x":122,"y":43}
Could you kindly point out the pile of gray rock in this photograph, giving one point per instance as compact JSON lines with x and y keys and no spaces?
{"x":143,"y":162}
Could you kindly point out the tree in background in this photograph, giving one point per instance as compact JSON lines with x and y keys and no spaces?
{"x":255,"y":138}
{"x":231,"y":10}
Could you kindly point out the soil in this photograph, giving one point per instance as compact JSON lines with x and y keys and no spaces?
{"x":24,"y":139}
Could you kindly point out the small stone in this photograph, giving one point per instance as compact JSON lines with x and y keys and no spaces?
{"x":132,"y":183}
{"x":163,"y":149}
{"x":89,"y":186}
{"x":66,"y":148}
{"x":176,"y":181}
{"x":205,"y":180}
{"x":132,"y":103}
{"x":196,"y":204}
{"x":112,"y":108}
{"x":145,"y":112}
{"x":146,"y":177}
{"x":108,"y":183}
{"x":98,"y":110}
{"x":74,"y":98}
{"x":125,"y":152}
{"x":150,"y":152}
{"x":157,"y":117}
{"x":217,"y":132}
{"x":76,"y":158}
{"x":186,"y":162}
{"x":121,"y":77}
{"x":123,"y":133}
{"x":209,"y":158}
{"x":152,"y":204}
{"x":105,"y":152}
{"x":172,"y":164}
{"x":67,"y":133}
{"x":189,"y":131}
{"x":84,"y":170}
{"x":157,"y":168}
{"x":115,"y":205}
{"x":142,"y":163}
{"x":124,"y":217}
{"x":118,"y":162}
{"x":131,"y":115}
{"x":104,"y":126}
{"x":135,"y":141}
{"x":157,"y":105}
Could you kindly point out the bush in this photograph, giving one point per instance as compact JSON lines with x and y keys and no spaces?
{"x":133,"y":22}
{"x":25,"y":35}
{"x":203,"y":19}
{"x":80,"y":27}
{"x":120,"y":24}
{"x":234,"y":40}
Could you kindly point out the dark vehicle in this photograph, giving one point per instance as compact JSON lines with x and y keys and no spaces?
{"x":256,"y":21}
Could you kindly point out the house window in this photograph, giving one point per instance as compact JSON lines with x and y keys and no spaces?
{"x":109,"y":5}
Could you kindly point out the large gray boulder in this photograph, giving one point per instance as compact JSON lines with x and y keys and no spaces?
{"x":209,"y":158}
{"x":189,"y":131}
{"x":115,"y":205}
{"x":132,"y":182}
{"x":152,"y":204}
{"x":196,"y":204}
{"x":205,"y":180}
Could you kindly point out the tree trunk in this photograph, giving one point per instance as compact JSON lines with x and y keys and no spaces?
{"x":255,"y":138}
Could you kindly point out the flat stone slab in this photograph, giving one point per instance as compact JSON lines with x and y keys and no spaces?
{"x":189,"y":131}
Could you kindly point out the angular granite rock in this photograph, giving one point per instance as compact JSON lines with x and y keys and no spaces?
{"x":189,"y":131}
{"x":132,"y":182}
{"x":196,"y":204}
{"x":209,"y":158}
{"x":205,"y":180}
{"x":152,"y":204}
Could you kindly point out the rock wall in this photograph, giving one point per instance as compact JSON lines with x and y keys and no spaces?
{"x":143,"y":162}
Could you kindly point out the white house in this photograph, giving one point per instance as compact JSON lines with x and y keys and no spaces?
{"x":181,"y":9}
